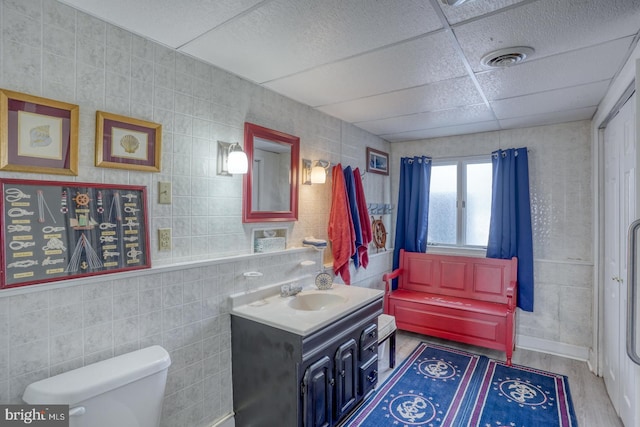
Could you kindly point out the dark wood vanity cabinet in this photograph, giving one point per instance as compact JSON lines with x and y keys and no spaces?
{"x":284,"y":379}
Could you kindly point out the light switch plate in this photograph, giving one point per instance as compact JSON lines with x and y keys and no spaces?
{"x":164,"y":193}
{"x":164,"y":239}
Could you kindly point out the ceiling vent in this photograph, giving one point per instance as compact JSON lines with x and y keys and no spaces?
{"x":507,"y":57}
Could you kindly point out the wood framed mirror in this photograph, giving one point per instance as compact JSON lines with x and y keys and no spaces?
{"x":270,"y":186}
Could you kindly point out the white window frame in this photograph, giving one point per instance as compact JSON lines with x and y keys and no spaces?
{"x":461,"y":196}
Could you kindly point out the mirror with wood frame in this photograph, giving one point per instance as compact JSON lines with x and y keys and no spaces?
{"x":270,"y":186}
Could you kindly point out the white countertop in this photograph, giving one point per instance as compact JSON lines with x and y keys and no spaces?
{"x":268,"y":307}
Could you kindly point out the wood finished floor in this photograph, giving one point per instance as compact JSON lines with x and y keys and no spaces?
{"x":590,"y":400}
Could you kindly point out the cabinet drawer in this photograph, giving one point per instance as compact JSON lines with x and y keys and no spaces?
{"x":369,"y":335}
{"x":367,"y":352}
{"x":369,"y":375}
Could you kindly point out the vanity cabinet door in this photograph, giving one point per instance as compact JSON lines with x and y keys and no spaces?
{"x":368,"y":376}
{"x":346,"y":363}
{"x":317,"y":386}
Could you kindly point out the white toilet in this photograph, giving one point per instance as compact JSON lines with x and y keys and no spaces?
{"x":125,"y":391}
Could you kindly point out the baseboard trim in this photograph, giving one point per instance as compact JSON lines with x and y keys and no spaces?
{"x":552,"y":347}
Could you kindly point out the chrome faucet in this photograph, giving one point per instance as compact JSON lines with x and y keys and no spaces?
{"x":289,"y":290}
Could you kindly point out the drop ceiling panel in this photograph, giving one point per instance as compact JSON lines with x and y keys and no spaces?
{"x":430,"y":120}
{"x":169,"y":22}
{"x":572,"y":98}
{"x":550,"y":27}
{"x":288,"y":36}
{"x":445,"y":131}
{"x":549,"y":118}
{"x":577,"y":67}
{"x":474,"y":9}
{"x":414,"y":63}
{"x":392,"y":67}
{"x":435,"y":96}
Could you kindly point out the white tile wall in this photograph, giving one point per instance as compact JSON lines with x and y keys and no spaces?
{"x":560,"y":173}
{"x":49,"y":49}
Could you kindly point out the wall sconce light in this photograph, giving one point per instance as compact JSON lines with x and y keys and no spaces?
{"x":237,"y":161}
{"x":314,"y":174}
{"x":231,"y":159}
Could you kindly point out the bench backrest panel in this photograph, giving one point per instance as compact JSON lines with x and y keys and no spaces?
{"x":485,"y":279}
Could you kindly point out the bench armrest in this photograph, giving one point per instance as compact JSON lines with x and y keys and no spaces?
{"x":512,"y":296}
{"x":388,"y":277}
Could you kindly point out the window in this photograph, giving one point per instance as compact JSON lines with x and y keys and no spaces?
{"x":460,"y":202}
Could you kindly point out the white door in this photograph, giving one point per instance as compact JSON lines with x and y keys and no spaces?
{"x":612,"y":255}
{"x":621,"y":374}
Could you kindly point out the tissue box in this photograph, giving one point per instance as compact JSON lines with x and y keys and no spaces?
{"x":269,"y":244}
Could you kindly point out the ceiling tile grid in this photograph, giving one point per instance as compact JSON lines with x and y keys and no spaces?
{"x":444,"y":94}
{"x":402,"y":70}
{"x":587,"y":65}
{"x":430,"y":120}
{"x":284,"y":37}
{"x":569,"y":98}
{"x":550,"y":27}
{"x":416,"y":62}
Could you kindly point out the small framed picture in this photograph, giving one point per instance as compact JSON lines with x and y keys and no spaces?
{"x":377,"y":161}
{"x":38,"y":135}
{"x":127,"y":143}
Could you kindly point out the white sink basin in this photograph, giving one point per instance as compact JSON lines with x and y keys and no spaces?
{"x":305,"y":313}
{"x":315,"y":302}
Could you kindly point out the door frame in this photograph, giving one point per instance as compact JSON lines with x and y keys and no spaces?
{"x":626,"y":82}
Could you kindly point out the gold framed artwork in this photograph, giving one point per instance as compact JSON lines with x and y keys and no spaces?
{"x":38,"y":135}
{"x":127,"y":143}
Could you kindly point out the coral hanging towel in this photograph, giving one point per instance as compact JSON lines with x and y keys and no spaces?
{"x":341,"y":232}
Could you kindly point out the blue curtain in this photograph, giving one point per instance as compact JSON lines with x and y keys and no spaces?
{"x":413,"y":207}
{"x":510,"y":226}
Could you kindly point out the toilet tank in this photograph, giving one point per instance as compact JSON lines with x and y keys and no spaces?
{"x":124,"y":391}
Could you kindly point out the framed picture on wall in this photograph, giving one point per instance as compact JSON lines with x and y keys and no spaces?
{"x":127,"y":143}
{"x":38,"y":135}
{"x":377,"y":161}
{"x":63,"y":230}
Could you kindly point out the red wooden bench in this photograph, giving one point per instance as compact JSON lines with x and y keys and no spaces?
{"x":465,"y":299}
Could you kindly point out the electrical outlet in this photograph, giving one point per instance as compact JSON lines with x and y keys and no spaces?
{"x":164,"y":193}
{"x":164,"y":239}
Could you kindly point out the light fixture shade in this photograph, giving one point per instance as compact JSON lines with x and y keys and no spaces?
{"x":237,"y":162}
{"x":318,"y":175}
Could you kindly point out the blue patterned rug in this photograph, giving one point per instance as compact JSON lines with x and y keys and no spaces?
{"x":441,"y":387}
